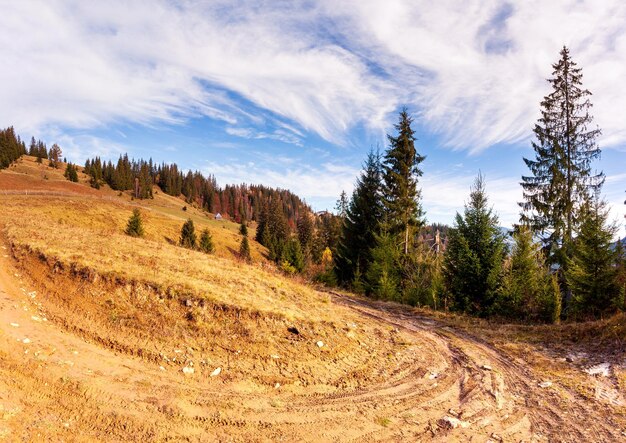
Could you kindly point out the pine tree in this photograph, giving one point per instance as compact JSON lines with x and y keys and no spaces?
{"x":528,"y":291}
{"x":592,"y":272}
{"x":400,"y":173}
{"x":55,"y":155}
{"x":134,"y":228}
{"x":244,"y":249}
{"x":383,"y":276}
{"x":342,"y":205}
{"x":292,"y":256}
{"x":188,"y":235}
{"x":561,"y":179}
{"x":361,"y":223}
{"x":206,"y":242}
{"x":70,"y":173}
{"x":243,"y":229}
{"x":474,"y":256}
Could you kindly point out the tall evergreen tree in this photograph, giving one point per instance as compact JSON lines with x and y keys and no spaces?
{"x":561,"y":178}
{"x":244,"y":249}
{"x":475,"y":255}
{"x":361,"y":223}
{"x":400,"y":173}
{"x":592,"y":273}
{"x":55,"y":155}
{"x":188,"y":237}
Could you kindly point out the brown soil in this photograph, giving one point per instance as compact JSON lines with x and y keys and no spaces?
{"x":441,"y":385}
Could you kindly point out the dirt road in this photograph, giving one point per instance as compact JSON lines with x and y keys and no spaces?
{"x":449,"y":386}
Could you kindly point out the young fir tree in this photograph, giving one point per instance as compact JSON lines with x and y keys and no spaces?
{"x":592,"y":273}
{"x":561,"y":179}
{"x":475,"y":255}
{"x":400,"y":174}
{"x":188,"y":235}
{"x":361,"y":224}
{"x":292,"y":259}
{"x":71,"y":173}
{"x":383,"y":275}
{"x":529,"y":291}
{"x":243,"y":229}
{"x":305,"y":232}
{"x":134,"y":228}
{"x":206,"y":242}
{"x":244,"y":249}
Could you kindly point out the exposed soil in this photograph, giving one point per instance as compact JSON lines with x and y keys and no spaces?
{"x":443,"y":385}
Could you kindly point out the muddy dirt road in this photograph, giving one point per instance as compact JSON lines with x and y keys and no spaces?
{"x":449,"y":386}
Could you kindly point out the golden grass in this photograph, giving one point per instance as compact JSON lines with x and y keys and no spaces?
{"x":79,"y":233}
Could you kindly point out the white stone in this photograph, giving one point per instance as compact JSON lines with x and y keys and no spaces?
{"x":320,"y":344}
{"x":602,"y":369}
{"x":216,"y":372}
{"x":545,"y":384}
{"x":188,"y":370}
{"x":26,"y":341}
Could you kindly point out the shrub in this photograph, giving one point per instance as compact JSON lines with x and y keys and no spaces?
{"x":134,"y":228}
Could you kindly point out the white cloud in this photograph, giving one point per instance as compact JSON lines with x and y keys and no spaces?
{"x":474,"y":70}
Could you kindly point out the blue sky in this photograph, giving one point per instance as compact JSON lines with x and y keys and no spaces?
{"x":294,"y":94}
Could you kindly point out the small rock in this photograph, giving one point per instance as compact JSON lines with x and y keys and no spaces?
{"x":161,"y":368}
{"x":486,"y":368}
{"x":433,"y":375}
{"x":603,"y":369}
{"x":320,"y":344}
{"x":569,"y":359}
{"x":277,"y":385}
{"x":274,"y":356}
{"x":545,"y":384}
{"x":188,"y":370}
{"x":35,"y":318}
{"x":448,"y":422}
{"x":15,"y":325}
{"x":216,"y":372}
{"x":26,"y":341}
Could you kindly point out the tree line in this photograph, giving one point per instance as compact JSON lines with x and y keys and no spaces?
{"x":562,"y":262}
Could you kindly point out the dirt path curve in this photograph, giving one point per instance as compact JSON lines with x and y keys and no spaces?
{"x":449,"y":386}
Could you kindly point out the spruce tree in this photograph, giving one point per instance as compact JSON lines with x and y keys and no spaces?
{"x":529,"y":291}
{"x":243,"y":229}
{"x":206,"y":242}
{"x":188,"y":235}
{"x":361,"y":223}
{"x":561,"y":178}
{"x":400,"y":173}
{"x":474,"y":256}
{"x":244,"y":249}
{"x":134,"y":228}
{"x":292,"y":256}
{"x":592,"y":273}
{"x":383,"y":275}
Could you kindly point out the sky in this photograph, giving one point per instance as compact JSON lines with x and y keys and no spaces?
{"x":294,"y":94}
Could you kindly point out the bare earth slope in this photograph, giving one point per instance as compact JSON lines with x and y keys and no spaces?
{"x":132,"y":355}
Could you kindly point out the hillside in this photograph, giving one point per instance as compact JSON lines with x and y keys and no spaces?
{"x":107,"y":337}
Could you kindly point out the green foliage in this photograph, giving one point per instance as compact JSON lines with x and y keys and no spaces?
{"x":475,"y":254}
{"x":383,"y":275}
{"x":11,"y":147}
{"x":206,"y":242}
{"x":360,"y":225}
{"x":244,"y":250}
{"x":188,"y":235}
{"x":422,"y":278}
{"x":243,"y":229}
{"x":292,"y":255}
{"x":561,"y":178}
{"x":134,"y":228}
{"x":400,"y":173}
{"x":592,"y":272}
{"x":71,"y":173}
{"x":528,"y":290}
